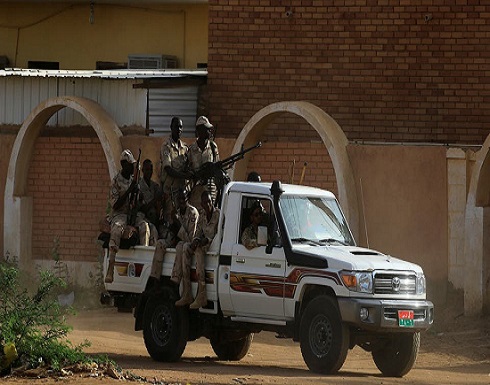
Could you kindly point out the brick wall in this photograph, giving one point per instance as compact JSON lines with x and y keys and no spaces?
{"x":398,"y":70}
{"x":275,"y":160}
{"x":69,"y":182}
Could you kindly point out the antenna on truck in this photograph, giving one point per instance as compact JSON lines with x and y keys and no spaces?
{"x":364,"y":213}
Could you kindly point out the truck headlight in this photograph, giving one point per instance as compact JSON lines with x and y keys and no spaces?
{"x":420,"y":284}
{"x":360,"y":281}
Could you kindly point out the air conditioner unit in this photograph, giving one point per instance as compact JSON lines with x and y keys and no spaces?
{"x":152,"y":62}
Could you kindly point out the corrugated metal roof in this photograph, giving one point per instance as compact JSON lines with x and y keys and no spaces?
{"x":106,"y":74}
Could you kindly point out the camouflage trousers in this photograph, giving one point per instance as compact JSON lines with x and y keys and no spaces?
{"x":147,"y":232}
{"x":180,"y":264}
{"x":183,"y":259}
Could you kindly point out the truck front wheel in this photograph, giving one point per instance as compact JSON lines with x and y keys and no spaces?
{"x":231,"y":349}
{"x":165,"y":329}
{"x":324,"y":339}
{"x":397,"y":356}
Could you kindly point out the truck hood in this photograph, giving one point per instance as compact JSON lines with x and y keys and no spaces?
{"x":357,"y":258}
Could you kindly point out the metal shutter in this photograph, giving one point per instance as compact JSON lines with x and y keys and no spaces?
{"x":164,"y":103}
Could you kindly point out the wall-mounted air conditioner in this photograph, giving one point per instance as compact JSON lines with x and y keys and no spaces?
{"x":152,"y":62}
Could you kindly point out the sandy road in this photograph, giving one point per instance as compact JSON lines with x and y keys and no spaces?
{"x":460,"y":356}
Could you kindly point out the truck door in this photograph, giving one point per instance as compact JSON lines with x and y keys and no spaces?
{"x":257,"y":278}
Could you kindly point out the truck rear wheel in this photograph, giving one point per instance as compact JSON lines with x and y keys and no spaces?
{"x":324,"y":339}
{"x":165,"y":329}
{"x":398,"y":355}
{"x":231,"y":350}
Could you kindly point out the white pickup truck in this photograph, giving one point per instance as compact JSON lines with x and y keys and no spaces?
{"x":307,"y":281}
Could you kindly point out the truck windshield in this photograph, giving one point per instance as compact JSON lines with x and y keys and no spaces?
{"x":315,"y":220}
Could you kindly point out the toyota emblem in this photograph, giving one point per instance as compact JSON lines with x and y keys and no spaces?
{"x":395,"y":284}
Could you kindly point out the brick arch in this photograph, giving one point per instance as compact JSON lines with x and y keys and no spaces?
{"x":476,"y":243}
{"x":17,"y":205}
{"x":332,"y":136}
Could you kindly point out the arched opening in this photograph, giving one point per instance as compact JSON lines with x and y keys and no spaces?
{"x":333,"y":139}
{"x":18,"y":205}
{"x":477,"y":242}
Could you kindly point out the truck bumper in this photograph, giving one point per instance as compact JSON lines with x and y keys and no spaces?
{"x":383,"y":314}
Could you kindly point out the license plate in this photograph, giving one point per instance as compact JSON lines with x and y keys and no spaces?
{"x":405,"y":318}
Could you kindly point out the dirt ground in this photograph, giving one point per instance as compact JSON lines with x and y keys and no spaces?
{"x":455,"y":351}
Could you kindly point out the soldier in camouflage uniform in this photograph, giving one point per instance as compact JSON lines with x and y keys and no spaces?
{"x":150,"y":199}
{"x":202,"y":151}
{"x":250,"y":234}
{"x":174,"y":166}
{"x":207,"y":226}
{"x":122,"y":185}
{"x":188,"y":216}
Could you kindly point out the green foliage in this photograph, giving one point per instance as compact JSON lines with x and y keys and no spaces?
{"x":35,"y":322}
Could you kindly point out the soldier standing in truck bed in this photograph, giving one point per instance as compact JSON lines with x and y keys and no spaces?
{"x":174,"y":165}
{"x":202,"y":151}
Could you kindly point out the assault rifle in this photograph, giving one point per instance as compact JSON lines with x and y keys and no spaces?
{"x":217,"y":170}
{"x":134,"y":195}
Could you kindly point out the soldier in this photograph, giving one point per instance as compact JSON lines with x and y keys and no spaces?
{"x":202,"y":151}
{"x":122,"y":186}
{"x":207,"y":226}
{"x":250,"y":234}
{"x":150,"y":196}
{"x":174,"y":164}
{"x":188,"y":217}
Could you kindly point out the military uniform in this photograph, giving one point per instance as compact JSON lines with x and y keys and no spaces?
{"x":119,"y":217}
{"x":148,"y":193}
{"x":197,"y":158}
{"x":205,"y":230}
{"x":249,"y":237}
{"x":175,"y":155}
{"x":187,"y":231}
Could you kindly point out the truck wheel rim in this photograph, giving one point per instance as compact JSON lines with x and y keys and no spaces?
{"x":321,"y":336}
{"x":161,"y":326}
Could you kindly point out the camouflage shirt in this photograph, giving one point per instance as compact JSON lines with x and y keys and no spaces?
{"x":197,"y":157}
{"x":188,"y":223}
{"x":173,"y":154}
{"x":207,"y":229}
{"x":119,"y":186}
{"x":249,"y":237}
{"x":147,"y":194}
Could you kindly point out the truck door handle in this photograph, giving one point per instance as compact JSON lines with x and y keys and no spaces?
{"x":241,"y":260}
{"x":273,"y":264}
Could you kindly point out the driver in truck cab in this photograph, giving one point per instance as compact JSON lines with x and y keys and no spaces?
{"x":250,"y":234}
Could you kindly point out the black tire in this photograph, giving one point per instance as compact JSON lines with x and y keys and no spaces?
{"x":231,"y":350}
{"x":324,"y":339}
{"x":398,"y":355}
{"x":165,"y":329}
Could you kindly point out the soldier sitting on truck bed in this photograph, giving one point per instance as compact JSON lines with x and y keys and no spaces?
{"x":122,"y":186}
{"x":188,"y":217}
{"x":150,"y":200}
{"x":207,"y":226}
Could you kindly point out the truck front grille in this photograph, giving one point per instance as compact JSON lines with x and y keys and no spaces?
{"x":388,"y":283}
